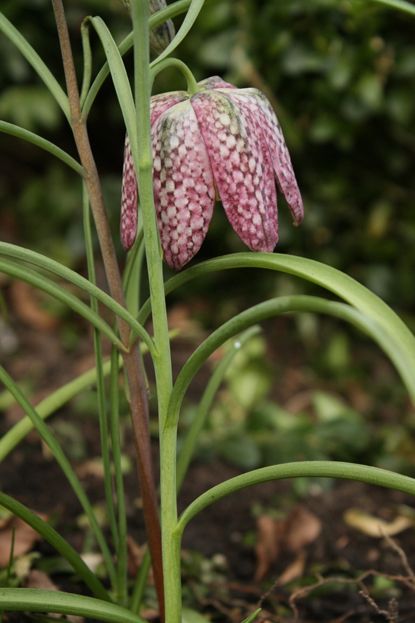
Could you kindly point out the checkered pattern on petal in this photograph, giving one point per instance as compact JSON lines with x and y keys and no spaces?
{"x":129,"y":194}
{"x":269,"y":125}
{"x":215,"y":82}
{"x":183,"y":184}
{"x":241,"y":168}
{"x":128,"y":223}
{"x":164,"y":101}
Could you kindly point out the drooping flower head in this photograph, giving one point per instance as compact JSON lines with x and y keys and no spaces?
{"x":221,"y":141}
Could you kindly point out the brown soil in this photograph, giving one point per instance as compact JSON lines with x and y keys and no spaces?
{"x":370,"y":578}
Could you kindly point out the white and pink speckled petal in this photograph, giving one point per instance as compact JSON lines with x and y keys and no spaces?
{"x":267,"y":122}
{"x":128,"y":223}
{"x":160,"y":103}
{"x":215,"y":82}
{"x":183,"y":184}
{"x":241,"y":168}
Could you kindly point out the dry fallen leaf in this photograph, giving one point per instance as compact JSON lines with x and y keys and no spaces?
{"x":24,"y":539}
{"x":181,"y":318}
{"x":292,"y":534}
{"x":27,"y":304}
{"x":374,"y":526}
{"x":267,"y":545}
{"x":293,"y":571}
{"x":302,"y":528}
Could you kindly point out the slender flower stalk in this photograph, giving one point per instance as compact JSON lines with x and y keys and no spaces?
{"x":162,"y":361}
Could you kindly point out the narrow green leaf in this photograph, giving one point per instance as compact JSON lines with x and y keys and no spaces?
{"x":174,"y":9}
{"x":43,"y":143}
{"x":48,"y":264}
{"x":357,"y":295}
{"x":99,"y":364}
{"x":115,"y":431}
{"x":36,"y":62}
{"x":400,"y":5}
{"x":252,"y":616}
{"x":60,"y":294}
{"x":140,"y":582}
{"x":318,"y":469}
{"x":47,"y":407}
{"x":190,"y":441}
{"x":60,"y":544}
{"x":273,"y":307}
{"x":39,"y":600}
{"x":119,"y":76}
{"x":191,"y":16}
{"x":87,"y":60}
{"x":60,"y":457}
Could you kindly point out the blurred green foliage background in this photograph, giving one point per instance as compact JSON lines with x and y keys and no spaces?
{"x":341,"y":74}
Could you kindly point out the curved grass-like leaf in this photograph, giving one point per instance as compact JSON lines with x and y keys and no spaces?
{"x":48,"y":264}
{"x":191,"y":16}
{"x":43,"y":143}
{"x":318,"y":469}
{"x":189,"y":444}
{"x":369,"y":304}
{"x":33,"y":58}
{"x":49,"y":405}
{"x":58,"y":543}
{"x":174,"y":9}
{"x":50,"y":440}
{"x":400,"y":5}
{"x":119,"y":78}
{"x":48,"y":286}
{"x":39,"y":600}
{"x":269,"y":309}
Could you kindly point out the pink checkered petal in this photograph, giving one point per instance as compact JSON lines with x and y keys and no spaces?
{"x":241,"y":167}
{"x":183,"y":184}
{"x":268,"y":123}
{"x":160,"y":103}
{"x":129,"y":195}
{"x":128,"y":225}
{"x":215,"y":82}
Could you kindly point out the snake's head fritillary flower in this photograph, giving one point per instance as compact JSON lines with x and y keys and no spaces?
{"x":219,"y":142}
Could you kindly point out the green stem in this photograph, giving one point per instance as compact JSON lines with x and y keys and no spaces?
{"x":102,"y":412}
{"x":299,"y":469}
{"x":162,"y":361}
{"x":133,"y":274}
{"x":119,"y":482}
{"x":140,"y":583}
{"x":87,"y":57}
{"x":192,"y":86}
